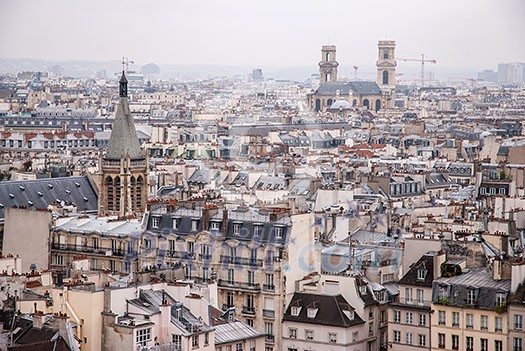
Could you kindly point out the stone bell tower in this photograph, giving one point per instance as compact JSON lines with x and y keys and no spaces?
{"x":328,"y":64}
{"x":123,"y":188}
{"x":386,"y":64}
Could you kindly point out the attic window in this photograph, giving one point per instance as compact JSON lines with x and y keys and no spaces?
{"x":278,"y":232}
{"x":155,"y":221}
{"x":421,"y":274}
{"x":295,"y":311}
{"x":471,"y":296}
{"x":349,"y":314}
{"x":311,"y":312}
{"x":363,"y":289}
{"x":236,"y":228}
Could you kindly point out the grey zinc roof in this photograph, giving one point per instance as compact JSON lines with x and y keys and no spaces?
{"x":357,"y":88}
{"x":479,"y":279}
{"x":40,"y":193}
{"x":101,"y":225}
{"x":330,"y":310}
{"x":124,"y":140}
{"x":234,"y":331}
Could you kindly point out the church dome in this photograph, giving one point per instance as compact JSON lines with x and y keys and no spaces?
{"x":342,"y":104}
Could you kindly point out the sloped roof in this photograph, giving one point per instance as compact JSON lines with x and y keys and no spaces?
{"x":426,"y":263}
{"x":235,"y":331}
{"x":357,"y":88}
{"x":124,"y":140}
{"x":330,"y":310}
{"x":40,"y":193}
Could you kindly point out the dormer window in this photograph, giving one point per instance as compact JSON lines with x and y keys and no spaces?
{"x":214,"y":225}
{"x":349,"y":314}
{"x":194,"y":225}
{"x":421,"y":274}
{"x":236,"y":228}
{"x":155,"y":221}
{"x":471,"y":296}
{"x":295,"y":310}
{"x":257,"y":230}
{"x":443,"y":292}
{"x":279,"y":232}
{"x":176,"y":223}
{"x":311,"y":312}
{"x":501,"y":298}
{"x":363,"y":289}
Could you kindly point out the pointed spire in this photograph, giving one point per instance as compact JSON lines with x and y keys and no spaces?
{"x":123,"y":87}
{"x":124,"y":141}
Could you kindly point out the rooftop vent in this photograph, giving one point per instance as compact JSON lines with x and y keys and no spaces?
{"x":50,"y":186}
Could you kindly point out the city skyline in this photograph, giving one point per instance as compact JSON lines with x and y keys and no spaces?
{"x":468,"y":34}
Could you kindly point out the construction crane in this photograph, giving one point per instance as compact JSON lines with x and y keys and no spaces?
{"x":125,"y":63}
{"x":422,"y":60}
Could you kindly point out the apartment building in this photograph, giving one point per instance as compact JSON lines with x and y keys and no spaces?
{"x":470,"y":307}
{"x":105,"y":243}
{"x":410,"y":314}
{"x":315,"y":321}
{"x":244,"y":250}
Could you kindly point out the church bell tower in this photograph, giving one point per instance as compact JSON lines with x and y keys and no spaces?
{"x":328,"y":64}
{"x":386,"y":64}
{"x":123,"y":191}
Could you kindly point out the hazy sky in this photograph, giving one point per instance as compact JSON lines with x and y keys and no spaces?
{"x":457,"y":33}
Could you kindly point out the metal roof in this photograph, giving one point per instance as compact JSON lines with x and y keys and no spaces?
{"x":40,"y":193}
{"x":234,"y":331}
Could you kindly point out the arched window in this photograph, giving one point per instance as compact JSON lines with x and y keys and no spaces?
{"x":317,"y":105}
{"x":366,"y":103}
{"x":329,"y":102}
{"x":385,"y":54}
{"x":133,"y":191}
{"x":327,"y":57}
{"x":354,"y":103}
{"x":378,"y":104}
{"x":138,"y":193}
{"x":385,"y":77}
{"x":110,"y":193}
{"x":117,"y":194}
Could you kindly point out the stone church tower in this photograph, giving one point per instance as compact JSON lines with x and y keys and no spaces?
{"x":328,"y":64}
{"x":123,"y":188}
{"x":386,"y":70}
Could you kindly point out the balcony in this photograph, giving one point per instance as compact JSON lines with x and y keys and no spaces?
{"x":269,"y":338}
{"x":205,"y":257}
{"x":239,"y":285}
{"x":268,"y":287}
{"x":181,"y":254}
{"x":104,"y":251}
{"x":415,"y":303}
{"x":250,"y":310}
{"x":269,"y":313}
{"x":245,"y":261}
